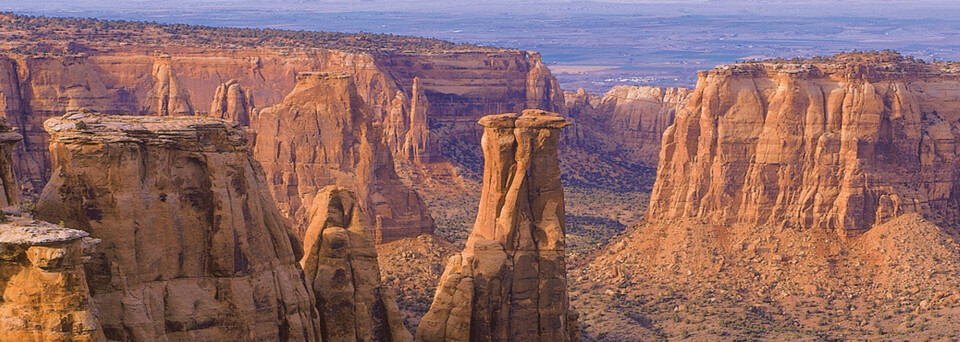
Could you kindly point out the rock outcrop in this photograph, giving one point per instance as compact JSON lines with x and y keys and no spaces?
{"x":169,"y":96}
{"x":232,"y":102}
{"x":193,"y":247}
{"x":43,"y":285}
{"x":843,"y":143}
{"x":460,"y":87}
{"x":419,"y":145}
{"x":320,"y":135}
{"x":8,"y":178}
{"x":340,"y":264}
{"x":627,"y":121}
{"x":509,"y":283}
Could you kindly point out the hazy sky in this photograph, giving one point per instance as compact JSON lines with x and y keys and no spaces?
{"x":873,"y":8}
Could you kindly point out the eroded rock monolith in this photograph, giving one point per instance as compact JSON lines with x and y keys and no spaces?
{"x":193,"y":247}
{"x":509,"y":283}
{"x":340,"y":264}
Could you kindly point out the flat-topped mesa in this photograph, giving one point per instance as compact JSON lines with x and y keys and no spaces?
{"x":340,"y":264}
{"x":44,"y":287}
{"x":194,"y":247}
{"x":846,"y":143}
{"x":509,"y":283}
{"x":321,"y":134}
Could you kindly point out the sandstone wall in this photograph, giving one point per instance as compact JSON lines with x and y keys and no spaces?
{"x":43,"y":285}
{"x":193,"y":245}
{"x":844,"y":145}
{"x":456,"y":88}
{"x":321,"y":134}
{"x":509,"y":283}
{"x":340,"y":264}
{"x":627,"y":121}
{"x":463,"y":86}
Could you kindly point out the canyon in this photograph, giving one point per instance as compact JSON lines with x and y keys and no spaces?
{"x":280,"y":185}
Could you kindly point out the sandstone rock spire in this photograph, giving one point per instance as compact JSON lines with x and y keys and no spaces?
{"x":509,"y":283}
{"x":340,"y":264}
{"x":320,"y":135}
{"x":194,"y":247}
{"x":169,"y":96}
{"x":419,"y":146}
{"x":232,"y":102}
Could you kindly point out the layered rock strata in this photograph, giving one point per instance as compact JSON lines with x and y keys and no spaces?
{"x":320,"y":135}
{"x":193,"y":245}
{"x":509,"y":283}
{"x":340,"y":264}
{"x":844,"y":143}
{"x":627,"y":121}
{"x":43,"y":284}
{"x":460,"y":87}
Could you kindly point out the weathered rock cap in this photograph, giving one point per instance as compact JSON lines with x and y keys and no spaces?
{"x":322,"y":75}
{"x":531,"y":118}
{"x":196,"y":133}
{"x":536,"y":118}
{"x":23,"y":231}
{"x":505,"y":120}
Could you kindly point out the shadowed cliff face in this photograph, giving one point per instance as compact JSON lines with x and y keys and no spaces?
{"x":193,"y":245}
{"x":321,"y":134}
{"x":835,"y":146}
{"x":509,"y":283}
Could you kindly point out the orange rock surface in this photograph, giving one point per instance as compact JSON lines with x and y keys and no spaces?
{"x":321,"y":134}
{"x":509,"y":283}
{"x":43,"y":285}
{"x":843,"y":144}
{"x":340,"y":264}
{"x":193,"y":247}
{"x":627,"y":121}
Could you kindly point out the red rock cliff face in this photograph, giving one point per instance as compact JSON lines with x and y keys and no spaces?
{"x":321,"y":134}
{"x":456,"y":87}
{"x":842,"y":145}
{"x":627,"y":121}
{"x":193,"y":247}
{"x":461,"y":87}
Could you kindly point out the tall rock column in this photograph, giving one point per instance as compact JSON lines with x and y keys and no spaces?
{"x":340,"y":264}
{"x":194,"y":248}
{"x":419,"y":146}
{"x":509,"y":283}
{"x":170,"y":97}
{"x":232,"y":102}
